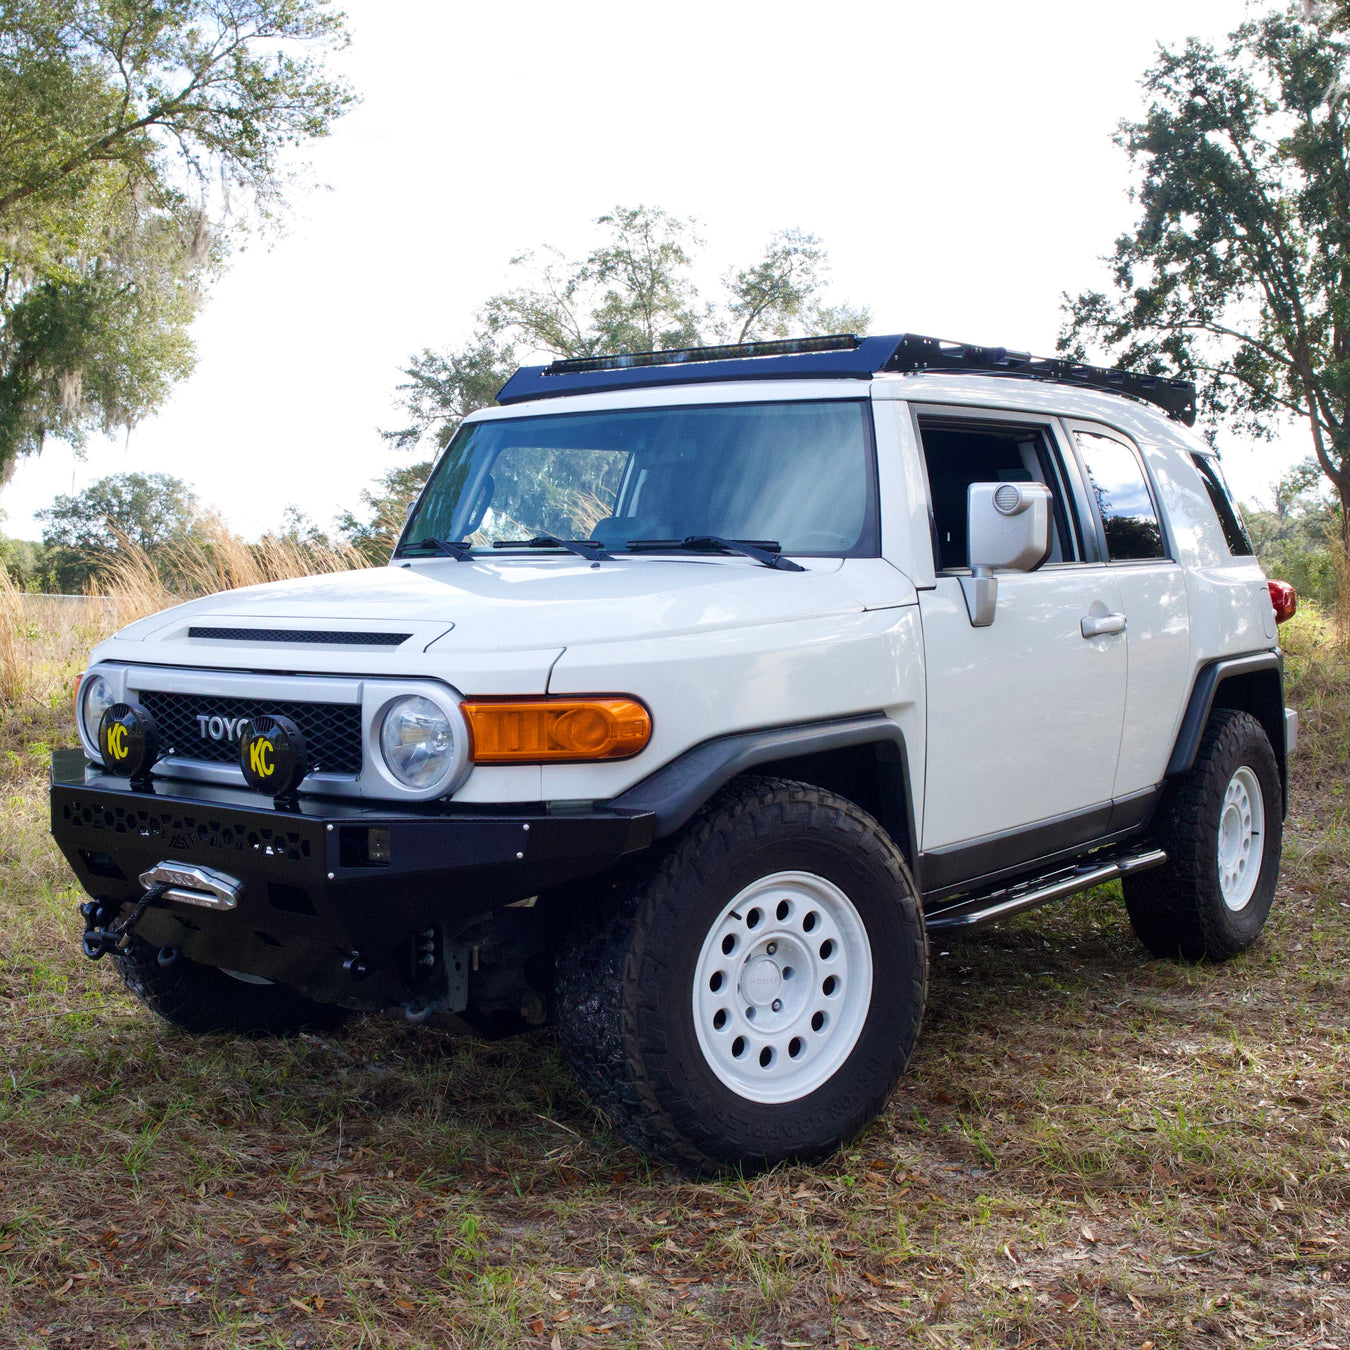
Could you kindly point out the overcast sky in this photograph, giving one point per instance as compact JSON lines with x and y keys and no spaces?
{"x":955,"y":158}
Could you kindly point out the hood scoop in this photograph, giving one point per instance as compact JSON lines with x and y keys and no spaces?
{"x":295,"y":636}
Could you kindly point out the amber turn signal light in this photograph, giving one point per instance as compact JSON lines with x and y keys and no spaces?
{"x":1285,"y":599}
{"x":556,"y":730}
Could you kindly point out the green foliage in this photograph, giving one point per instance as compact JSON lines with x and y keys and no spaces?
{"x":1238,"y":268}
{"x":24,"y":562}
{"x":83,"y":532}
{"x":300,"y":530}
{"x":386,"y":504}
{"x":1295,"y":540}
{"x":127,"y":127}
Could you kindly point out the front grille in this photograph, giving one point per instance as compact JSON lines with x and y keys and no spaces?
{"x":347,"y":639}
{"x":332,"y":731}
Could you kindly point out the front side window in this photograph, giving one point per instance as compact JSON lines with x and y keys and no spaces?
{"x":958,"y":454}
{"x":1129,"y":517}
{"x":1234,"y":531}
{"x":799,"y":474}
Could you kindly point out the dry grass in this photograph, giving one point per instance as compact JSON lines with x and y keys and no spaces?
{"x":1092,"y":1149}
{"x":1340,"y":556}
{"x":136,"y":584}
{"x":41,"y":638}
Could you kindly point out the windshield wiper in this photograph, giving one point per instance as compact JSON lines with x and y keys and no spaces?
{"x":766,"y":551}
{"x":589,"y":549}
{"x":458,"y":550}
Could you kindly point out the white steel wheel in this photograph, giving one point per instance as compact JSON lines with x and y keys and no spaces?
{"x":782,"y":987}
{"x":1241,"y":838}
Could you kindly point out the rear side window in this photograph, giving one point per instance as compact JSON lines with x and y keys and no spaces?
{"x":1129,"y":517}
{"x":1234,"y":531}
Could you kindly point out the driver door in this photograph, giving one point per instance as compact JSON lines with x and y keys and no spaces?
{"x":1024,"y":715}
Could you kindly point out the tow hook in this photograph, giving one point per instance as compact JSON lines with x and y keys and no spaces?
{"x":104,"y":932}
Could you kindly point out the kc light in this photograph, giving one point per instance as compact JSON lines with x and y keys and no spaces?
{"x":128,"y":741}
{"x":93,"y":698}
{"x":556,"y":730}
{"x":273,"y":756}
{"x":417,"y":742}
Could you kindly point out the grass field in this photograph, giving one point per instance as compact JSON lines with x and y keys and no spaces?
{"x":1092,"y":1148}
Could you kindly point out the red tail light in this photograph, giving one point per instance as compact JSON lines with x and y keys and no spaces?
{"x":1285,"y":599}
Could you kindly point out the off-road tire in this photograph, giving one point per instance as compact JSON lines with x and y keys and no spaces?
{"x":626,"y":977}
{"x":202,"y":999}
{"x":1178,"y":910}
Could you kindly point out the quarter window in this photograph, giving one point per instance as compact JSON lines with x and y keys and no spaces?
{"x":1129,"y":517}
{"x":1234,"y":531}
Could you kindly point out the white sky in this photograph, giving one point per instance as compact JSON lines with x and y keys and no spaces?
{"x":956,"y":160}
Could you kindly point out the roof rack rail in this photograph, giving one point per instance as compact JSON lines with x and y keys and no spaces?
{"x":841,"y":356}
{"x":916,"y":353}
{"x":838,"y":356}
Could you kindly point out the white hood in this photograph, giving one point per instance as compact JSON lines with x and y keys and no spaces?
{"x":525,"y":603}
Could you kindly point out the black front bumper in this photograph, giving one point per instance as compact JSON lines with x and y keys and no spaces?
{"x":327,"y":879}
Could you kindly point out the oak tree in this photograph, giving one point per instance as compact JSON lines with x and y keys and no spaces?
{"x":138,"y":138}
{"x":1237,"y":269}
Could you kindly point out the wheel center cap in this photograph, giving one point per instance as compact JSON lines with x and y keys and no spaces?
{"x":761,"y":982}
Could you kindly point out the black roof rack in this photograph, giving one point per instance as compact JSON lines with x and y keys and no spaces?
{"x":913,"y":353}
{"x":838,"y":356}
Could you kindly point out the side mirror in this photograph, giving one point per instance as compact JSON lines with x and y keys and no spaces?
{"x":1008,"y":525}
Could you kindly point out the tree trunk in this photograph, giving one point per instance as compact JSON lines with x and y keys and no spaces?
{"x":1341,"y":556}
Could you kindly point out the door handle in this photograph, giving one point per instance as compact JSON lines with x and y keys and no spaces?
{"x":1095,"y":626}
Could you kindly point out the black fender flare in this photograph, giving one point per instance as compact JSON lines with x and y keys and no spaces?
{"x":1209,"y":680}
{"x":676,"y":791}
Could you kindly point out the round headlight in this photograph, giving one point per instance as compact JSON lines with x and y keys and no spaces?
{"x":96,"y":697}
{"x":417,"y":742}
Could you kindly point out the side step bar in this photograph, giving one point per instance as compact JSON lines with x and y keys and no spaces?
{"x":1008,"y":900}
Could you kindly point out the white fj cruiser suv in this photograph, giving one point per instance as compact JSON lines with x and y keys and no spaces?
{"x":700,"y":687}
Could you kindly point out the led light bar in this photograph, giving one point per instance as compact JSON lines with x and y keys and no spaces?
{"x":839,"y":342}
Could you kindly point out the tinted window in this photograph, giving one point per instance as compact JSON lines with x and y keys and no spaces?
{"x":1233,"y":529}
{"x":799,"y":473}
{"x":1118,"y":483}
{"x":959,"y":454}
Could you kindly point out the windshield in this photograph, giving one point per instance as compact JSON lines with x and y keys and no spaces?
{"x":798,"y":473}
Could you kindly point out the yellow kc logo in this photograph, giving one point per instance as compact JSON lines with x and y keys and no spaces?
{"x":117,"y":741}
{"x":258,"y":752}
